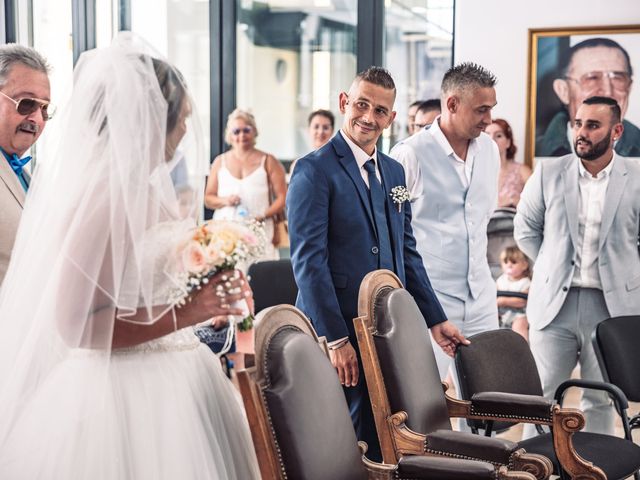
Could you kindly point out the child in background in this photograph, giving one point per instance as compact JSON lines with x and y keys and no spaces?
{"x":516,"y":277}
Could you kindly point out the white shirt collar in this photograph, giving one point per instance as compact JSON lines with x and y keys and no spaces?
{"x":440,"y":137}
{"x":605,"y":172}
{"x":360,"y":155}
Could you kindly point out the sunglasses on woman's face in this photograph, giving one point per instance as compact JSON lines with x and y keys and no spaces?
{"x":247,"y":130}
{"x":26,"y":106}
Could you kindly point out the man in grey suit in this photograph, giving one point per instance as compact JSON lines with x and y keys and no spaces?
{"x":24,"y":110}
{"x":452,"y":174}
{"x":579,"y":219}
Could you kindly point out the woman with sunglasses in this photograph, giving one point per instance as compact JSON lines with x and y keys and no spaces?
{"x":247,"y":182}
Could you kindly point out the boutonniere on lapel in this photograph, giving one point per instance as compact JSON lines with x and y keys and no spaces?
{"x":399,"y":195}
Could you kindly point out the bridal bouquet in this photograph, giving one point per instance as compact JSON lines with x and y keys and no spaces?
{"x":213,"y":247}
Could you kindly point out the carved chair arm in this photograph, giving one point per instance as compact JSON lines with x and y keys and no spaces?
{"x":415,"y":468}
{"x":467,"y":445}
{"x":512,"y":407}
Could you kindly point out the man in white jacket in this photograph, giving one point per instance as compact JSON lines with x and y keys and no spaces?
{"x":579,"y":219}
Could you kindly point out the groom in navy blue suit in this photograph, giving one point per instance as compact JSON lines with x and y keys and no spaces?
{"x":343,"y":224}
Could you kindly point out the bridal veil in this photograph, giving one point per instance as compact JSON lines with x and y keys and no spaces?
{"x":86,"y":247}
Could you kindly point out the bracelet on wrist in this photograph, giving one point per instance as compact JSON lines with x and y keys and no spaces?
{"x":339,"y":344}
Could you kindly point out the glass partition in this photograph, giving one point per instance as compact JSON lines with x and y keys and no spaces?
{"x":46,"y":26}
{"x":180,"y":31}
{"x":418,"y":51}
{"x":293,"y":57}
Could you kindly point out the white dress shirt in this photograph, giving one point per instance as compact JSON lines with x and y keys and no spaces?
{"x":362,"y":157}
{"x":463,"y":168}
{"x":591,"y":203}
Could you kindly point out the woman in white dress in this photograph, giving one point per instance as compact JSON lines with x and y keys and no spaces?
{"x":101,"y":377}
{"x":247,"y":182}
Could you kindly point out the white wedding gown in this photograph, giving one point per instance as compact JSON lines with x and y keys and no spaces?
{"x":167,"y":412}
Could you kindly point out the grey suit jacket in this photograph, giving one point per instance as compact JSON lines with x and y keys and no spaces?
{"x":12,"y":197}
{"x":546,"y":229}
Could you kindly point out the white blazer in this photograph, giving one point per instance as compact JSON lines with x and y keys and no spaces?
{"x":546,"y":229}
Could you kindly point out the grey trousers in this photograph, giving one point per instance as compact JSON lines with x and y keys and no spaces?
{"x":565,"y":342}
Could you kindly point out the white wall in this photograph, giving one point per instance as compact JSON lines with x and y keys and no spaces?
{"x":494,"y":33}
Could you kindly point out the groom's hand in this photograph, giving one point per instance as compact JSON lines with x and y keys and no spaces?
{"x":448,"y":337}
{"x":346,"y":363}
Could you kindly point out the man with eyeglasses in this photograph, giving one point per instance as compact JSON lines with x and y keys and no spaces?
{"x":597,"y":66}
{"x":426,"y":113}
{"x":24,"y":111}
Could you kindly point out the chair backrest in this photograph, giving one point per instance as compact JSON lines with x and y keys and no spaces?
{"x":499,"y":236}
{"x":616,"y":341}
{"x":496,"y":361}
{"x":303,"y":400}
{"x":272,"y":283}
{"x":407,"y":361}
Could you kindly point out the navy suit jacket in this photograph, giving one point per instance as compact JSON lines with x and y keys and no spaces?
{"x":333,"y":238}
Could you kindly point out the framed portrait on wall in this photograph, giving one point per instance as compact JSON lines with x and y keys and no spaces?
{"x":568,"y":65}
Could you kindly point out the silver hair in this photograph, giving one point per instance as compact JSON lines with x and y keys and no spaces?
{"x":467,"y":76}
{"x":12,"y":53}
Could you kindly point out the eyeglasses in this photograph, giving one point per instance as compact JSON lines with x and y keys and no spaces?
{"x":26,"y":106}
{"x":592,"y":80}
{"x":247,"y":130}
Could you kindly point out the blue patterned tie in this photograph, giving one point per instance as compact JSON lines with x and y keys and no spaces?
{"x":380,"y":216}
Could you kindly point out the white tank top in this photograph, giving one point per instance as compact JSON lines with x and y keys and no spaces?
{"x":253,"y":191}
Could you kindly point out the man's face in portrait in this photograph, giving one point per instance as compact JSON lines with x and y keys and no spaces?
{"x":599,"y":70}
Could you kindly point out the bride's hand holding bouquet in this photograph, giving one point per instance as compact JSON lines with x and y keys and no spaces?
{"x":223,"y":290}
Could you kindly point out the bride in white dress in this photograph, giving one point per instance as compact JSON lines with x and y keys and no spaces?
{"x":101,"y":378}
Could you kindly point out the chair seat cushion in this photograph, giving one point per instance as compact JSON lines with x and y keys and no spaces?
{"x":418,"y":468}
{"x":617,"y":457}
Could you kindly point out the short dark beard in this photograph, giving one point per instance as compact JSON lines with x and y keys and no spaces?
{"x":596,"y":151}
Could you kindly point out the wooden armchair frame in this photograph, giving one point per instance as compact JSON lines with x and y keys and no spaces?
{"x":397,"y":440}
{"x":252,"y":384}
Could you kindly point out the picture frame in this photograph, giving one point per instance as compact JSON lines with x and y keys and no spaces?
{"x":561,"y":75}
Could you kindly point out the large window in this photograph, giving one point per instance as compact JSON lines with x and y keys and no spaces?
{"x":418,"y":51}
{"x":180,"y":32}
{"x":46,"y":26}
{"x":293,"y":57}
{"x":106,"y":21}
{"x":281,"y":59}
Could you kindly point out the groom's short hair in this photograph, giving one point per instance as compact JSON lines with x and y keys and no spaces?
{"x":377,"y":76}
